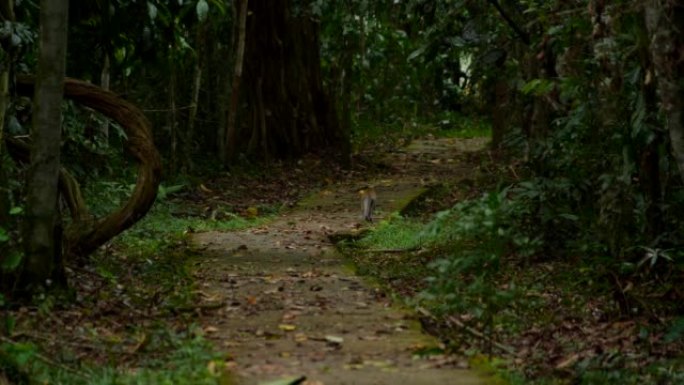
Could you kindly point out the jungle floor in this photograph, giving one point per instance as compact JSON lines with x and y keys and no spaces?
{"x":293,"y":304}
{"x":243,"y":278}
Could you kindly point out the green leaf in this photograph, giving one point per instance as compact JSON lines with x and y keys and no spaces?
{"x":202,"y":9}
{"x":10,"y":322}
{"x":152,"y":11}
{"x":220,"y":4}
{"x":4,"y":236}
{"x":11,"y":262}
{"x":23,"y":353}
{"x":416,"y":53}
{"x":570,"y":217}
{"x":16,"y":210}
{"x":531,"y":86}
{"x":676,"y":331}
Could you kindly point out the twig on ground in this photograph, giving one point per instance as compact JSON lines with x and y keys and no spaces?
{"x":474,"y":332}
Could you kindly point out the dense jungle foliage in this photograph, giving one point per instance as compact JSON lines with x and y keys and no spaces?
{"x":577,"y":203}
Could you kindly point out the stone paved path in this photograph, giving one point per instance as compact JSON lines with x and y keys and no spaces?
{"x":294,"y":307}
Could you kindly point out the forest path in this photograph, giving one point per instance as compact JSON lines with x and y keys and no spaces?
{"x":293,"y":306}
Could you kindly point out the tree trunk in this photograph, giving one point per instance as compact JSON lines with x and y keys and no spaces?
{"x":665,"y":21}
{"x":7,"y":13}
{"x":41,"y":233}
{"x":285,"y":94}
{"x":85,"y":235}
{"x":104,"y":83}
{"x":194,"y":98}
{"x":173,"y":113}
{"x":229,"y":146}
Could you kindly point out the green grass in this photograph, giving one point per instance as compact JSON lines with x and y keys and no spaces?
{"x":396,"y":233}
{"x":457,"y":244}
{"x":162,"y":227}
{"x":465,"y":128}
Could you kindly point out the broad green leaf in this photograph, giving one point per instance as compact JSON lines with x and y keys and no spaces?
{"x":530,"y":86}
{"x":11,"y":261}
{"x":152,"y":11}
{"x":220,"y":5}
{"x":4,"y":236}
{"x":416,"y":53}
{"x":570,"y":217}
{"x":202,"y":9}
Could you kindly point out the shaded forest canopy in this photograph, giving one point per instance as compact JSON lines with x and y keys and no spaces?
{"x":583,"y":101}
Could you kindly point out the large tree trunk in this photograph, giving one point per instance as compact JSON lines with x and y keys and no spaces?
{"x":41,"y":235}
{"x":289,"y":113}
{"x":665,"y":23}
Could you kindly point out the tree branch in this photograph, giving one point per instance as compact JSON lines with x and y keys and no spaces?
{"x":521,"y":34}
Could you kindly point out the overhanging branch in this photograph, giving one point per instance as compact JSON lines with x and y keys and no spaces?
{"x":521,"y":34}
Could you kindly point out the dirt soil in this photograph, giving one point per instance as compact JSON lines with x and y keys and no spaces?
{"x":294,"y":307}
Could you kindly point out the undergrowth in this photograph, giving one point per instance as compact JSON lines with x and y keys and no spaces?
{"x":131,"y":305}
{"x":491,"y":264}
{"x":447,"y":124}
{"x":188,"y":360}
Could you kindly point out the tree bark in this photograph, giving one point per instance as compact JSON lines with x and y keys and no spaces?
{"x":290,"y":109}
{"x":194,"y":98}
{"x":7,"y":13}
{"x":231,"y":136}
{"x":85,"y":235}
{"x":41,"y":232}
{"x":173,"y":112}
{"x":105,"y":75}
{"x":665,"y":23}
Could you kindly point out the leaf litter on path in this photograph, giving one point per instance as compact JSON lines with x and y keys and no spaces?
{"x":342,"y":331}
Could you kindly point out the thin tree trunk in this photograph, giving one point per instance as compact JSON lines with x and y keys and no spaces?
{"x":173,"y":115}
{"x":262,"y":117}
{"x":231,"y":130}
{"x":4,"y":97}
{"x":194,"y":102}
{"x":7,"y":12}
{"x":41,"y":234}
{"x":224,"y":82}
{"x":4,"y":189}
{"x":104,"y":84}
{"x":664,"y":20}
{"x":362,"y":59}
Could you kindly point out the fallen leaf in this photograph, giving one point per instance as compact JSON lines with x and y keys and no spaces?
{"x":287,"y":327}
{"x":334,"y":340}
{"x":286,"y":381}
{"x":567,"y":362}
{"x":252,"y":212}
